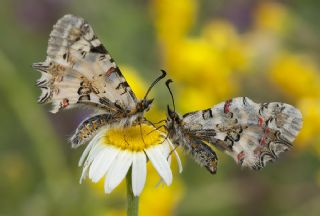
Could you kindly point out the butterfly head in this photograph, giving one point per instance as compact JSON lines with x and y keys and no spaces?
{"x":144,"y":105}
{"x":173,"y":118}
{"x":173,"y":126}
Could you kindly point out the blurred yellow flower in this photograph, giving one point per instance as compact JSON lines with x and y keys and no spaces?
{"x":224,"y":39}
{"x":173,"y":19}
{"x":296,"y":76}
{"x":310,"y":132}
{"x":137,"y":85}
{"x":272,"y":17}
{"x":203,"y":65}
{"x":198,"y":66}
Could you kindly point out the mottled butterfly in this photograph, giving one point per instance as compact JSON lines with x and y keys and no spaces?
{"x":251,"y":133}
{"x":79,"y":70}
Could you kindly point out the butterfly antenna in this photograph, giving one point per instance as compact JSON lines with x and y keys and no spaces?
{"x":167,"y":84}
{"x":157,"y":129}
{"x":155,"y":82}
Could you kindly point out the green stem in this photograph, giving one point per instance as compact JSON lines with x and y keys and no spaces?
{"x":133,"y":201}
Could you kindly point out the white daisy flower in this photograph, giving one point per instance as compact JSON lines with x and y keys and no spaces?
{"x":112,"y":152}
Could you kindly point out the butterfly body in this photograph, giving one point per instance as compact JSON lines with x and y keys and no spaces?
{"x":251,"y":133}
{"x":180,"y":135}
{"x":91,"y":125}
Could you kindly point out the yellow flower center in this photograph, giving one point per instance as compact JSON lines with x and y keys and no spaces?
{"x":133,"y":138}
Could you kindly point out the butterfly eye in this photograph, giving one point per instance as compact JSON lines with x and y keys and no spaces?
{"x":176,"y":117}
{"x":139,"y":106}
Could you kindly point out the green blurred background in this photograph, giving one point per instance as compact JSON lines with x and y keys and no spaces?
{"x":214,"y":50}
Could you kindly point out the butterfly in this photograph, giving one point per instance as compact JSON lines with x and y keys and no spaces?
{"x":78,"y":70}
{"x":251,"y":133}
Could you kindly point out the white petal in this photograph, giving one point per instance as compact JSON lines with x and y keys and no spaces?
{"x":177,"y":156}
{"x":84,"y":173}
{"x":139,"y":172}
{"x":165,"y":149}
{"x":169,"y":160}
{"x":118,"y":170}
{"x":93,"y":153}
{"x":160,"y":183}
{"x":102,"y":162}
{"x":85,"y":153}
{"x":160,"y":163}
{"x":91,"y":145}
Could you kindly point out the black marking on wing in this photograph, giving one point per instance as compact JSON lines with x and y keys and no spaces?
{"x":190,"y":113}
{"x":84,"y":91}
{"x":117,"y":70}
{"x":99,"y":49}
{"x":206,"y":114}
{"x":105,"y":101}
{"x":84,"y":98}
{"x":124,"y":85}
{"x":45,"y":97}
{"x":229,"y":141}
{"x":39,"y":83}
{"x":262,"y":107}
{"x":244,"y":100}
{"x":116,"y":104}
{"x":83,"y":54}
{"x":94,"y":37}
{"x":102,"y":57}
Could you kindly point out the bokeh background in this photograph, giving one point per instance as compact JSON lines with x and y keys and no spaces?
{"x":214,"y":50}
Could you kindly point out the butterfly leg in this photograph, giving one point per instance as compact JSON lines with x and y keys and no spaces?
{"x":156,"y":129}
{"x":141,"y":133}
{"x":163,"y":120}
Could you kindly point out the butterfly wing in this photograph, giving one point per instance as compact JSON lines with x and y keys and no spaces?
{"x":251,"y":133}
{"x":79,"y":70}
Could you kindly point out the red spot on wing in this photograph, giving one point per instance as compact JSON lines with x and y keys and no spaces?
{"x":267,"y":130}
{"x":263,"y":140}
{"x":241,"y":156}
{"x":110,"y":71}
{"x":260,"y":121}
{"x":227,"y":106}
{"x":64,"y":103}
